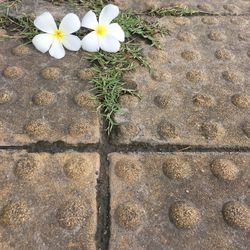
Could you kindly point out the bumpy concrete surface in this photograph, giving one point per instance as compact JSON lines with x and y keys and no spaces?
{"x":37,"y":7}
{"x":197,"y":99}
{"x":168,"y":201}
{"x":48,"y":201}
{"x":216,"y":6}
{"x":42,"y":98}
{"x":198,"y":93}
{"x":224,"y":7}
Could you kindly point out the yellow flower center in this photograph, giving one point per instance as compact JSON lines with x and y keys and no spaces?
{"x":100,"y":30}
{"x":57,"y":34}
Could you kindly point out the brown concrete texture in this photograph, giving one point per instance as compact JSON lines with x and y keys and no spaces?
{"x":172,"y":201}
{"x":45,"y":99}
{"x":198,"y":93}
{"x":48,"y":201}
{"x":228,"y":7}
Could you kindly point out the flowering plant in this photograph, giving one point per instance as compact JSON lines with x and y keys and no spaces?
{"x":54,"y":39}
{"x":105,"y":35}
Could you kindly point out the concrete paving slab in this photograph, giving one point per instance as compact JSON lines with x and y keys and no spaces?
{"x":180,"y":200}
{"x":222,"y":7}
{"x":226,"y":7}
{"x":48,"y":201}
{"x":199,"y":92}
{"x":45,"y":99}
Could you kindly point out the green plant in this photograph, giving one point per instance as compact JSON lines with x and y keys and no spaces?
{"x":173,"y":11}
{"x":22,"y":27}
{"x":7,"y":5}
{"x":134,"y":24}
{"x":109,"y":68}
{"x":107,"y":80}
{"x":88,"y":4}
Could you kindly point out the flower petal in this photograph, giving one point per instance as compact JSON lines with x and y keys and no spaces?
{"x":70,"y":24}
{"x":109,"y":44}
{"x":89,"y":20}
{"x":42,"y":42}
{"x":45,"y":23}
{"x":71,"y":42}
{"x":90,"y":42}
{"x":116,"y":31}
{"x":108,"y":13}
{"x":57,"y":50}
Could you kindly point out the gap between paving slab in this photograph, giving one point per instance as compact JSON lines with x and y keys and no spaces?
{"x":104,"y":148}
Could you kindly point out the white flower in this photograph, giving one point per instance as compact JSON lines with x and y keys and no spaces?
{"x":54,"y":39}
{"x":105,"y":35}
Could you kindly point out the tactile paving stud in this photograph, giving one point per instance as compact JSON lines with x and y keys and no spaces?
{"x":48,"y":201}
{"x":13,"y":72}
{"x":184,"y":215}
{"x":224,"y":169}
{"x":45,"y":99}
{"x":237,"y":215}
{"x":166,"y":200}
{"x":21,"y":50}
{"x":129,"y":216}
